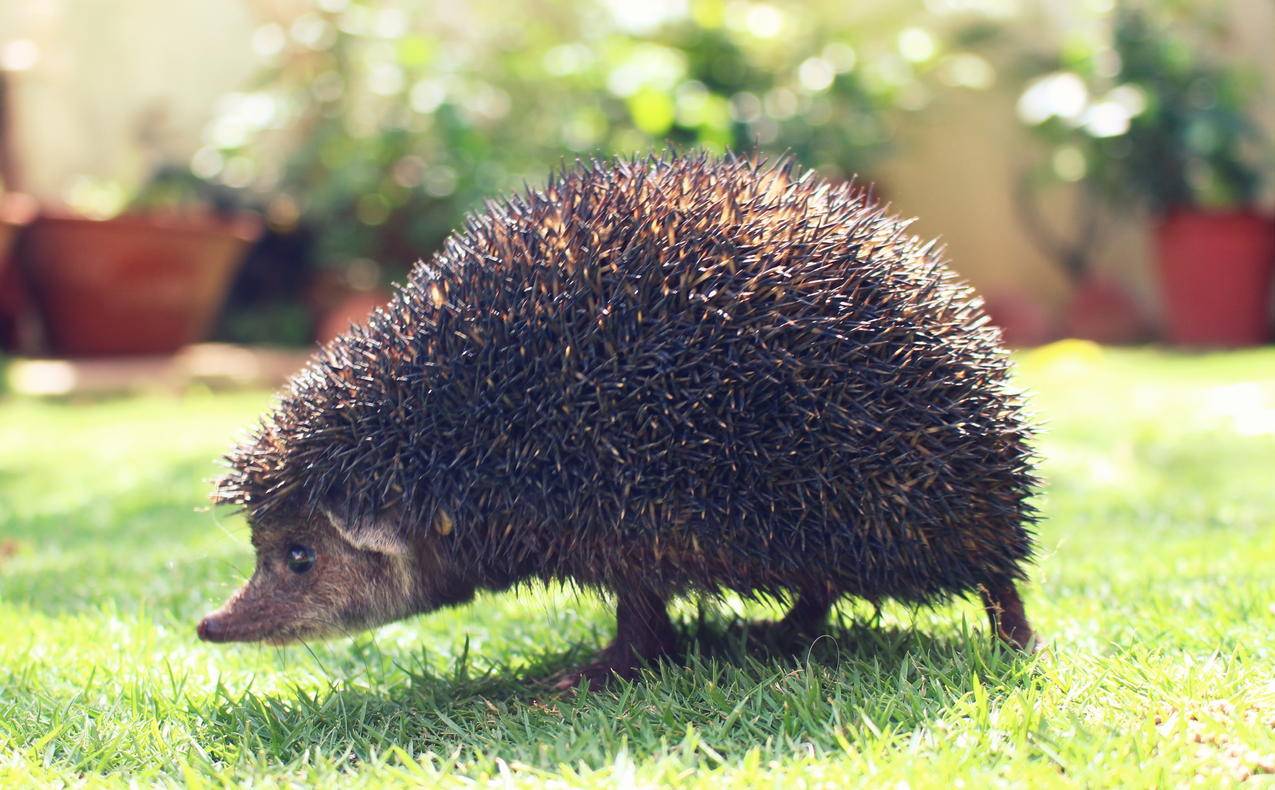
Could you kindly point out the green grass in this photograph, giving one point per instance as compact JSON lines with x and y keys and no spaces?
{"x":1153,"y":591}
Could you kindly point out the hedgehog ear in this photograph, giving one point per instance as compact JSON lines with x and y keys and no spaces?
{"x":379,"y":532}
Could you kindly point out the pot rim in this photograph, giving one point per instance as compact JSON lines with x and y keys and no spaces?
{"x":1239,"y":212}
{"x":243,"y":225}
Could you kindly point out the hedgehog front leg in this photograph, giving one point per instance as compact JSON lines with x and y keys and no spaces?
{"x":643,"y":633}
{"x":1005,"y":612}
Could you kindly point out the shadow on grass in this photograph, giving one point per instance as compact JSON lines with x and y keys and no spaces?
{"x":728,"y":691}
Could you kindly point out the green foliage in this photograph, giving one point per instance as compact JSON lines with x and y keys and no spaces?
{"x":283,"y":323}
{"x":384,"y":123}
{"x":1152,"y":115}
{"x":1152,"y":590}
{"x":175,"y":189}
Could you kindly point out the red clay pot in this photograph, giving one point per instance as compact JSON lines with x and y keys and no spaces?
{"x":1023,"y":321}
{"x":1103,"y":311}
{"x":134,"y":284}
{"x":1215,"y":271}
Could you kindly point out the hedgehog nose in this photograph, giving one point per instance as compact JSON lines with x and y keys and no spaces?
{"x":211,"y":629}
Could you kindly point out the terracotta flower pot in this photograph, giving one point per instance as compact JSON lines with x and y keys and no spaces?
{"x":1023,"y":321}
{"x":1215,"y":272}
{"x":1103,"y":311}
{"x":133,"y":284}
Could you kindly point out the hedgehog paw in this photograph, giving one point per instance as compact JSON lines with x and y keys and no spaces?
{"x":617,"y":661}
{"x":599,"y":674}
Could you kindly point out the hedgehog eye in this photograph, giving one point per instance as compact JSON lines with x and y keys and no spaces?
{"x":300,"y":558}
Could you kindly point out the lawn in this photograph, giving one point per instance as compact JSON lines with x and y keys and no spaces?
{"x":1153,"y":590}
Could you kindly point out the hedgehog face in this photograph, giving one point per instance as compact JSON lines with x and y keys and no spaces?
{"x":320,"y":576}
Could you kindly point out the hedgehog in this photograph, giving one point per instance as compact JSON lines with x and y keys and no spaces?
{"x":659,"y":377}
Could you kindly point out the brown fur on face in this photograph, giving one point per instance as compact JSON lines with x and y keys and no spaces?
{"x":359,"y":579}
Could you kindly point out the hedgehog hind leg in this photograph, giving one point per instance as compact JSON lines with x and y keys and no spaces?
{"x":809,"y":612}
{"x":643,"y":634}
{"x":1006,"y":615}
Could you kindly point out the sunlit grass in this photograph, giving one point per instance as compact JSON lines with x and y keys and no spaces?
{"x":1153,"y":591}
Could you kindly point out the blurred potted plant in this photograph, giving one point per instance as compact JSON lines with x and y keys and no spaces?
{"x":1151,"y":121}
{"x":383,"y":125}
{"x":1099,"y":307}
{"x":265,"y":305}
{"x":144,"y":278}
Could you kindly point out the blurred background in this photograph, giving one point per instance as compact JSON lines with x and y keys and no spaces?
{"x":205,"y":189}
